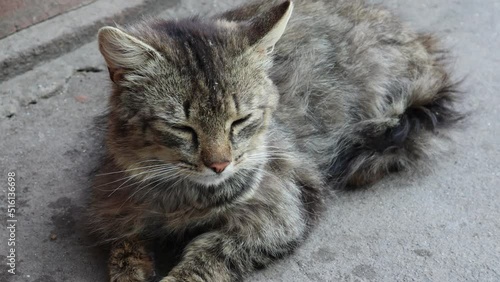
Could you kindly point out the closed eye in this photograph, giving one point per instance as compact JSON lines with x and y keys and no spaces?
{"x":186,"y":129}
{"x":183,"y":128}
{"x":240,"y":121}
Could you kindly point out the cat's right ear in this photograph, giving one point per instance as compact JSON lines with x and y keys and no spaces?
{"x":266,"y":29}
{"x":123,"y":52}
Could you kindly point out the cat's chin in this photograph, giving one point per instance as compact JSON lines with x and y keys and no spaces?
{"x":211,"y":180}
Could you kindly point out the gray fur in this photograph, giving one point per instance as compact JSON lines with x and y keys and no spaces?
{"x":346,"y":95}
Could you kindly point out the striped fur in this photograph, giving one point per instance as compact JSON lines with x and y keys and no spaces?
{"x":291,"y":100}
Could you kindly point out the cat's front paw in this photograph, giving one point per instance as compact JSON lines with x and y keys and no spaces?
{"x":129,"y":262}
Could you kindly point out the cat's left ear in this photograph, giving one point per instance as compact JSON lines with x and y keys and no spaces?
{"x":266,"y":29}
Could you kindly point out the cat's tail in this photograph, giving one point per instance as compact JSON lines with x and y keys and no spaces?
{"x":369,"y":149}
{"x":408,"y":127}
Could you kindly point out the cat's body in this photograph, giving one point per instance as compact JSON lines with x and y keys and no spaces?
{"x":219,"y":130}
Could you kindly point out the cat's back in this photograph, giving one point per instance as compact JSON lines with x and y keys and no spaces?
{"x":342,"y":45}
{"x":333,"y":48}
{"x":343,"y":62}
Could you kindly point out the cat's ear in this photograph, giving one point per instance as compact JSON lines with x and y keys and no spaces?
{"x":266,"y":29}
{"x":123,"y":52}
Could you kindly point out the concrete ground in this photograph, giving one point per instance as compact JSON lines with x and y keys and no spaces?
{"x":439,"y":225}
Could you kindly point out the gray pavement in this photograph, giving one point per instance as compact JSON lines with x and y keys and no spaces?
{"x":439,"y":225}
{"x":22,"y":50}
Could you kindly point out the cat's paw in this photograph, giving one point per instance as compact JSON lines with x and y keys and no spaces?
{"x":129,"y":262}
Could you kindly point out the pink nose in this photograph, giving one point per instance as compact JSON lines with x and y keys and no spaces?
{"x":218,"y":167}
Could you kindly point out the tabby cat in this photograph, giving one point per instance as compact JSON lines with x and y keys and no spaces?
{"x":231,"y":130}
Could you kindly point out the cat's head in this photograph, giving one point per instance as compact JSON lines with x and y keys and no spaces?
{"x":192,"y":98}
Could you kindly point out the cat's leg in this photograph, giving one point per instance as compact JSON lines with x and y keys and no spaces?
{"x":216,"y":256}
{"x":129,"y":261}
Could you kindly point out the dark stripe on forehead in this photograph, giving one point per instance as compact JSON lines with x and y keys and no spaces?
{"x":201,"y":44}
{"x":236,"y":103}
{"x":186,"y":107}
{"x":205,"y":65}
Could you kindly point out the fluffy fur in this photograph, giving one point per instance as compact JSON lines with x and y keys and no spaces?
{"x":231,"y":130}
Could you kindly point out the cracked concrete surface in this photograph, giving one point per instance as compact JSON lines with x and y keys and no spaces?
{"x":439,"y":225}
